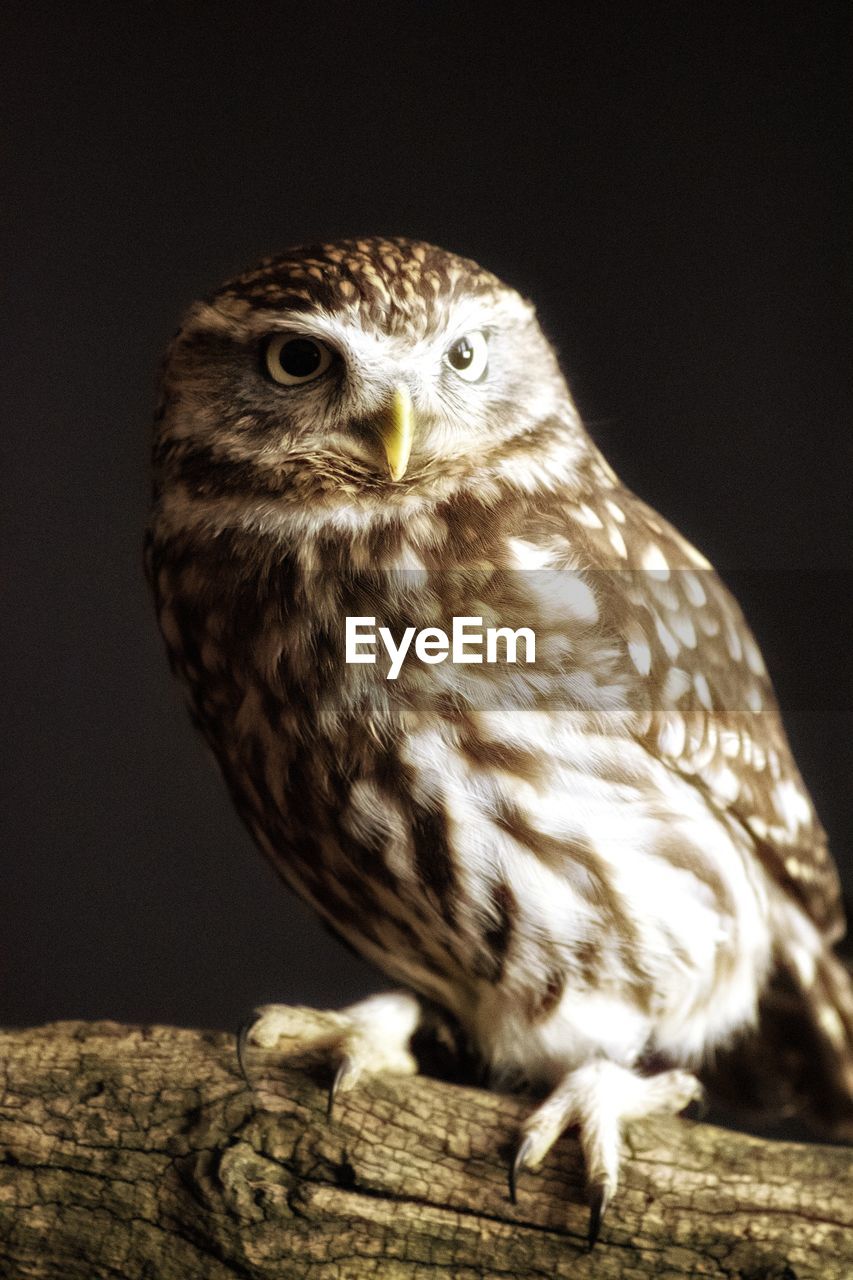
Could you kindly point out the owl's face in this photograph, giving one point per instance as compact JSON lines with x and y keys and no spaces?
{"x":355,"y":371}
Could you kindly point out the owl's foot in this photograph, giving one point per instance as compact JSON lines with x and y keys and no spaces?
{"x":368,"y":1039}
{"x":599,"y":1097}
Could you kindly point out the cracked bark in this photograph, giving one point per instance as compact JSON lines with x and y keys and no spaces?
{"x":139,"y":1153}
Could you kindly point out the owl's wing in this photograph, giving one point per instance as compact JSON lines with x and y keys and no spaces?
{"x":705,"y":703}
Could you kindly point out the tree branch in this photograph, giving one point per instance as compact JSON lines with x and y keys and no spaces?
{"x":139,"y":1153}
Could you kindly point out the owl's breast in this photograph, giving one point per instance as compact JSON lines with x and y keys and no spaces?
{"x":488,"y":834}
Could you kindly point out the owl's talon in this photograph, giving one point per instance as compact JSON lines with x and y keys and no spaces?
{"x":367,"y":1039}
{"x":345,"y":1077}
{"x":242,"y":1039}
{"x":599,"y":1097}
{"x":519,"y":1164}
{"x":599,"y":1198}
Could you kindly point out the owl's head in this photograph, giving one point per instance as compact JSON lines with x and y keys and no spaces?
{"x":361,"y":371}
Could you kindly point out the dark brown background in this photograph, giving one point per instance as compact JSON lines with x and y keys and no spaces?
{"x":669,"y":182}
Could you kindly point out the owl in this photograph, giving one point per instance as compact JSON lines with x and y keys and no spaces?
{"x":601,"y":865}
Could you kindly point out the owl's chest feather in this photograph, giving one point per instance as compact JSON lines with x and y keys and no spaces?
{"x":487,"y":837}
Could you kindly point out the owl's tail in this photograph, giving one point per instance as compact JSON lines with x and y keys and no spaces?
{"x":794,"y":1071}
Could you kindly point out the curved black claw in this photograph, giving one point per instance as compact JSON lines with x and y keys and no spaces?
{"x":518,"y":1165}
{"x":242,"y":1042}
{"x":599,"y":1198}
{"x":342,"y":1072}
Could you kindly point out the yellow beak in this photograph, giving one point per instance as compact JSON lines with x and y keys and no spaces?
{"x":397,"y":431}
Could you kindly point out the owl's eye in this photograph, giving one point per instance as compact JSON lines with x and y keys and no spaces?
{"x":469,"y":356}
{"x":292,"y":359}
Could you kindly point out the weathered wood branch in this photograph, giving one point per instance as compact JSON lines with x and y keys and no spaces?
{"x":132,"y":1153}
